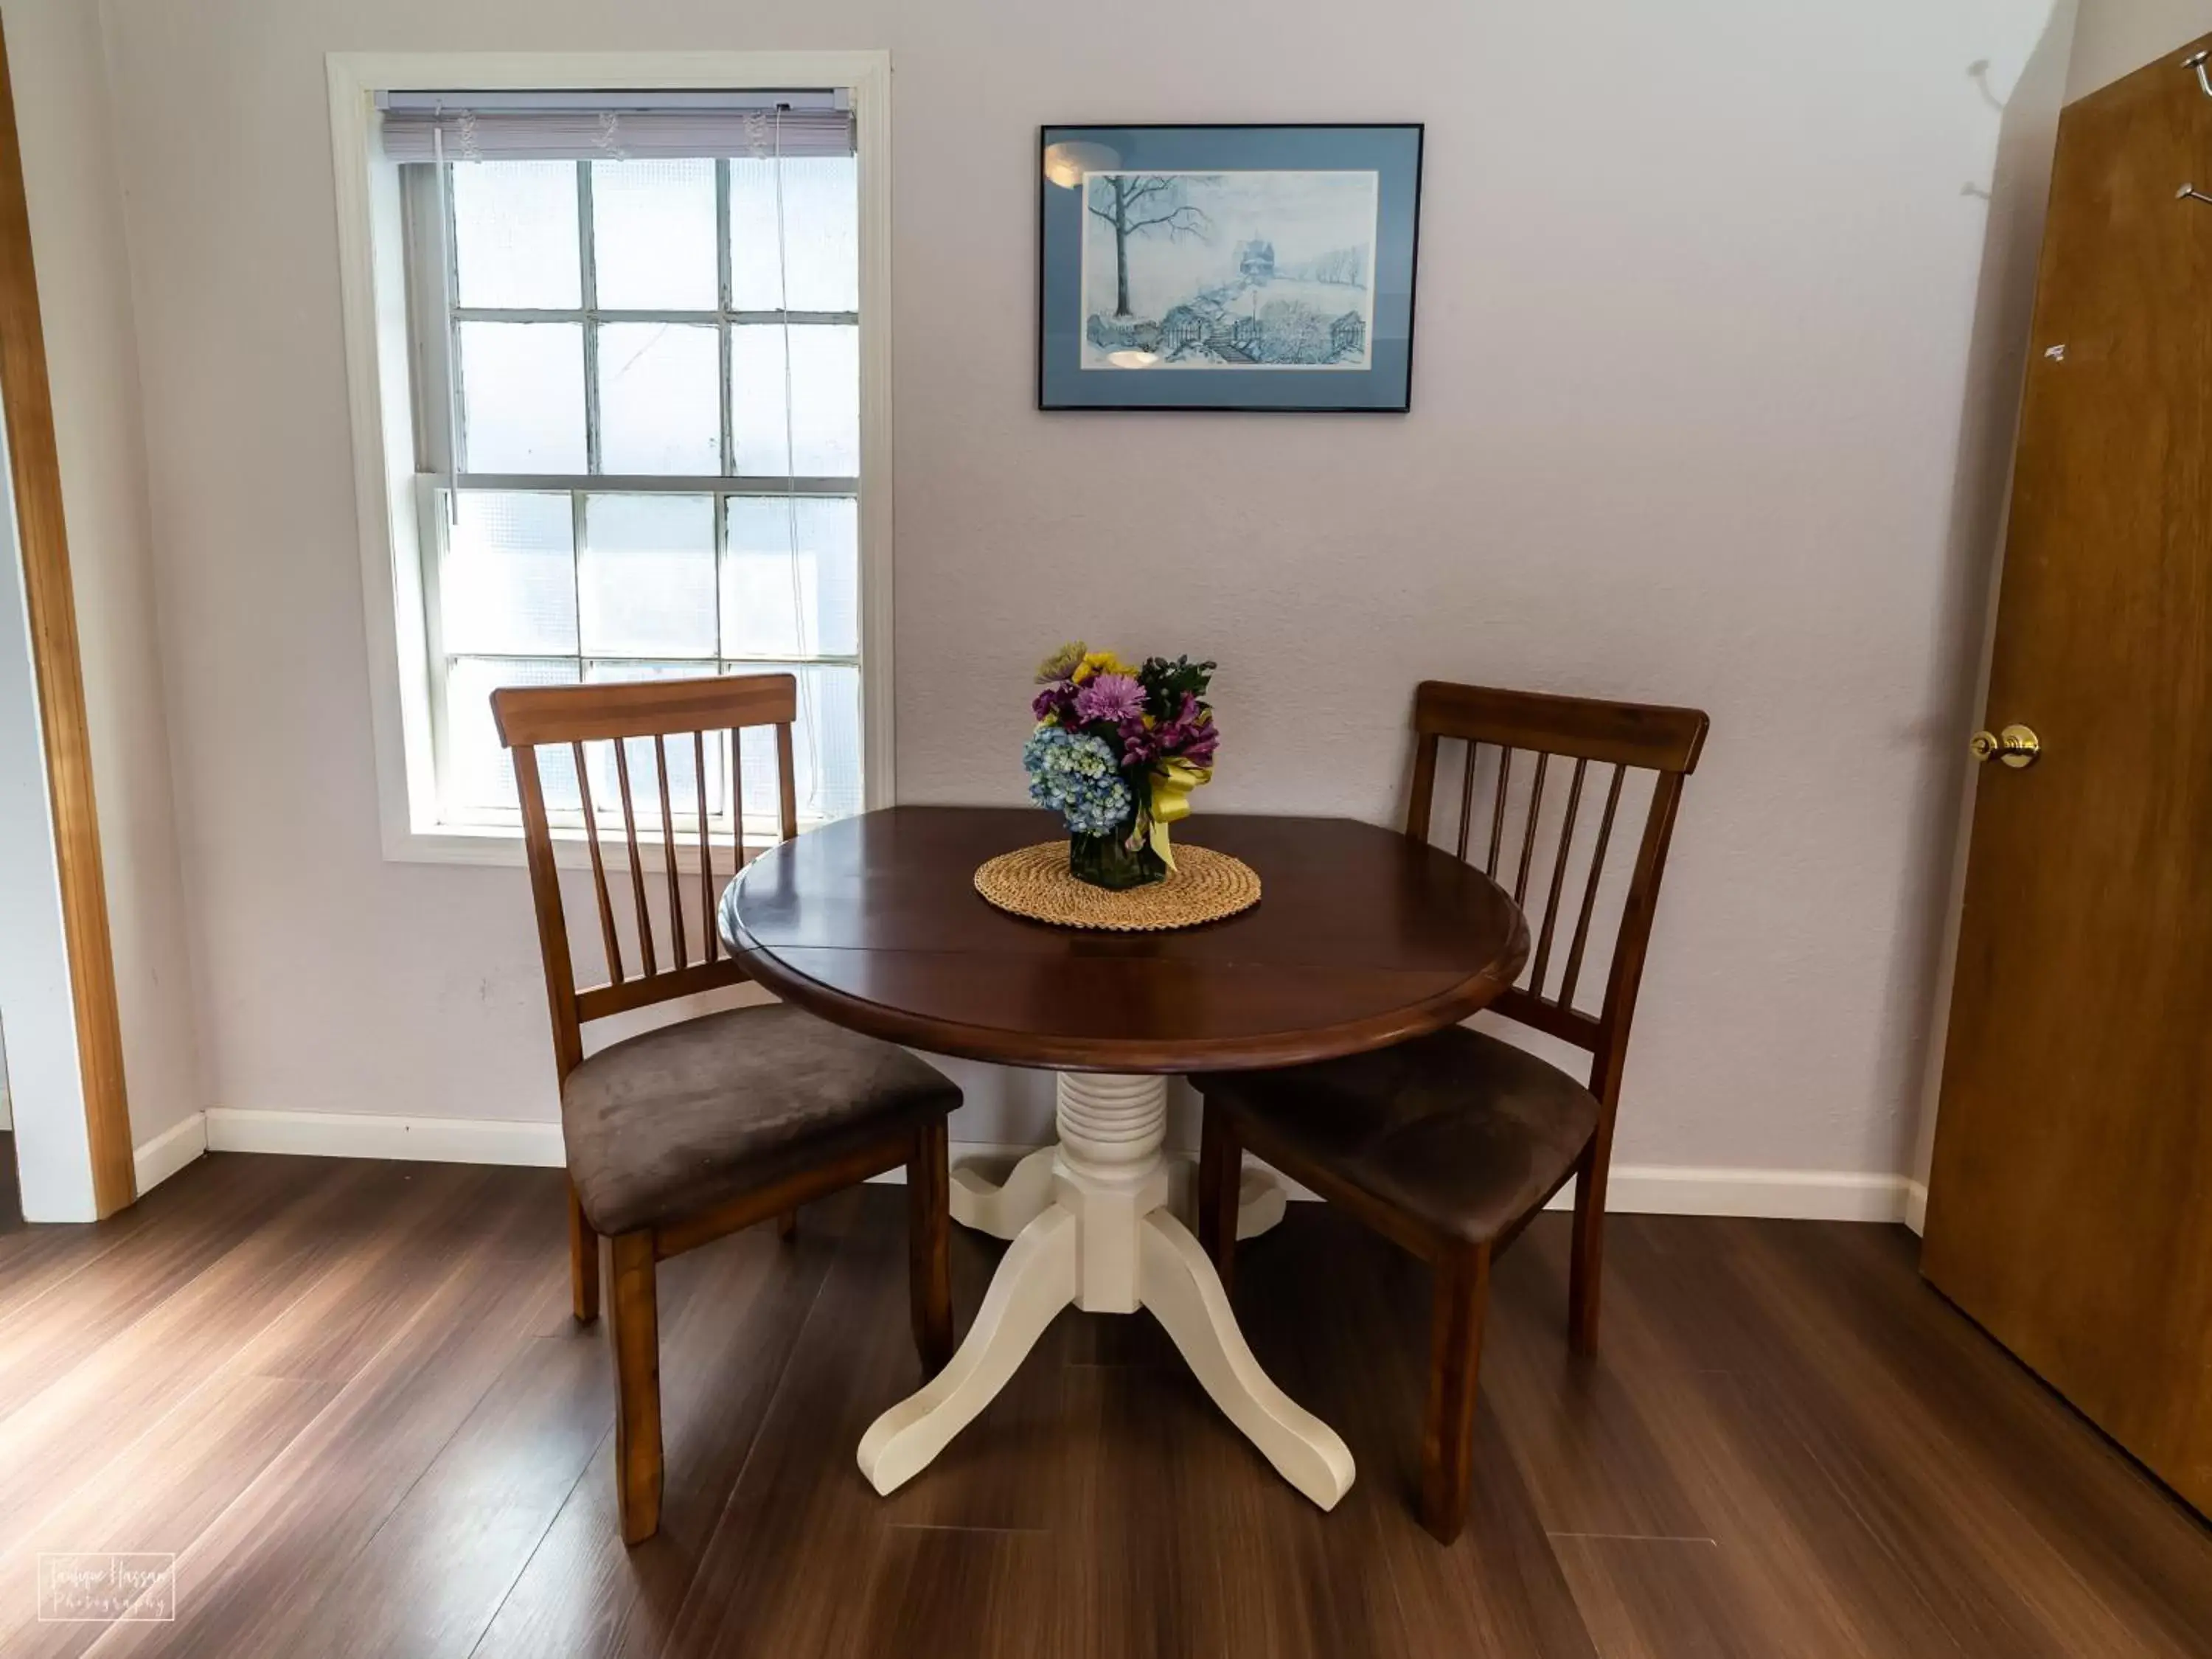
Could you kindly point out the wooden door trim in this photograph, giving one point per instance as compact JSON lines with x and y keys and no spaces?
{"x":34,"y":461}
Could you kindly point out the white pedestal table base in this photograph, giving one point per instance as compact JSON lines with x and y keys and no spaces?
{"x":1092,"y":1224}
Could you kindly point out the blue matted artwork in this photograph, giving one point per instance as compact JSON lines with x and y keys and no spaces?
{"x":1227,"y":267}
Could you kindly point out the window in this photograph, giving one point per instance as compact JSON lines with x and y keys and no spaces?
{"x":634,"y":331}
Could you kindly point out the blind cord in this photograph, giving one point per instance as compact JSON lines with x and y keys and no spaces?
{"x":452,"y":329}
{"x":791,"y":465}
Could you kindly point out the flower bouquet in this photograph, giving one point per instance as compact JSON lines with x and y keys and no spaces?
{"x":1116,"y":752}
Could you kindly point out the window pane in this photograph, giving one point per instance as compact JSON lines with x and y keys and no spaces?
{"x":821,"y":234}
{"x":479,"y":773}
{"x":825,"y":399}
{"x":522,"y":397}
{"x":640,"y":754}
{"x":652,"y":234}
{"x":825,"y":746}
{"x":825,"y":374}
{"x":514,"y":234}
{"x":508,"y":581}
{"x":646,"y":576}
{"x":787,"y":594}
{"x":659,"y":388}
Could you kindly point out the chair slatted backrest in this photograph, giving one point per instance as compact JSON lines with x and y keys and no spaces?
{"x":1592,"y":747}
{"x":701,"y":716}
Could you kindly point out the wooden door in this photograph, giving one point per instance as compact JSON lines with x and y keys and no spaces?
{"x":2070,"y":1207}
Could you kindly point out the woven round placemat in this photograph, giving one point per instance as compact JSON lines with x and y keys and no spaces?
{"x":1036,"y":882}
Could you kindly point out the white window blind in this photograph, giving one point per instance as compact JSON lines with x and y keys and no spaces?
{"x":488,"y":126}
{"x":636,"y":322}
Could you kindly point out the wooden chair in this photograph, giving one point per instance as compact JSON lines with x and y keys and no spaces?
{"x":1449,"y":1145}
{"x":700,"y":1128}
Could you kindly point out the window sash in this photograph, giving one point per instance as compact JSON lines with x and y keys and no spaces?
{"x":608,"y":315}
{"x":768,"y":486}
{"x":763,"y":815}
{"x":432,"y":520}
{"x":435,"y":318}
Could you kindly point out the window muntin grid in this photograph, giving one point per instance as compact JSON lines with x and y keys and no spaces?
{"x":729,"y":486}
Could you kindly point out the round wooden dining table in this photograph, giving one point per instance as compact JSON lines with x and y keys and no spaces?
{"x":1363,"y":937}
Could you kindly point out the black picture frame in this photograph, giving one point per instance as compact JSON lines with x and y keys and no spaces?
{"x":1205,"y":375}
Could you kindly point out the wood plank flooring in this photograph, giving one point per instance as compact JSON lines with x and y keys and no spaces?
{"x":348,"y":1397}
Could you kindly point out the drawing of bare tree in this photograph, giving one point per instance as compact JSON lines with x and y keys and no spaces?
{"x":1135,"y":203}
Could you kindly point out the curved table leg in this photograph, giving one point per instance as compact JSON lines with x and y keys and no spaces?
{"x":1102,"y":1234}
{"x":1035,"y":1281}
{"x":1260,"y":1201}
{"x":1004,"y":1210}
{"x":1183,"y":1293}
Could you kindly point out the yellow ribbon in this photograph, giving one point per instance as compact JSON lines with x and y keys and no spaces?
{"x":1172,"y":782}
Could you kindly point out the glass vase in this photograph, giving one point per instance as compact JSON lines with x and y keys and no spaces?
{"x":1108,"y":862}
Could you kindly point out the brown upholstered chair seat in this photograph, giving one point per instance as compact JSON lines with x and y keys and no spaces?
{"x":679,"y":1119}
{"x":1459,"y":1129}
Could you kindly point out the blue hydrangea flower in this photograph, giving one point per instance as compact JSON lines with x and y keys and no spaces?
{"x":1075,"y":775}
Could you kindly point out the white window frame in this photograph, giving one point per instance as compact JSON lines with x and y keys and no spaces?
{"x":379,"y":372}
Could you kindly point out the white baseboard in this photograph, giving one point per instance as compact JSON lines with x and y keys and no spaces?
{"x":1644,"y":1188}
{"x":1671,"y":1190}
{"x":1781,"y":1194}
{"x":169,"y":1151}
{"x":373,"y":1134}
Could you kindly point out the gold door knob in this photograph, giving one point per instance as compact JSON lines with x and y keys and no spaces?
{"x":2017,"y":746}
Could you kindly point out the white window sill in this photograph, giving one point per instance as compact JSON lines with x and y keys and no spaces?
{"x":498,"y":846}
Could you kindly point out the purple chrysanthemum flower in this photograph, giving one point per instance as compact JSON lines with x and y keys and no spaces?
{"x":1113,"y":698}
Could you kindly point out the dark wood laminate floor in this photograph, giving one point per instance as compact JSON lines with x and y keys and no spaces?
{"x":348,"y":1396}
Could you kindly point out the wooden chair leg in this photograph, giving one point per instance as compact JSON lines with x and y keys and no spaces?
{"x":583,"y":1261}
{"x":786,"y":1225}
{"x":1220,"y":1183}
{"x":637,"y":1387}
{"x":1587,"y":1262}
{"x":1459,"y":1298}
{"x":929,"y":1240}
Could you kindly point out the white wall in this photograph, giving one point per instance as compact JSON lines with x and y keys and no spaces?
{"x":2115,"y":37}
{"x":1698,"y":285}
{"x":60,"y":84}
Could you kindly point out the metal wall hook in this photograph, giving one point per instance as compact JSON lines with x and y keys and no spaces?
{"x":2195,"y":60}
{"x":2190,"y":193}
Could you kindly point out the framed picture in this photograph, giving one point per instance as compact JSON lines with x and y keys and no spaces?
{"x":1227,"y":267}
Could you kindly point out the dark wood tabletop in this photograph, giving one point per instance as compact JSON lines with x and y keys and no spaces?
{"x":1362,"y":937}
